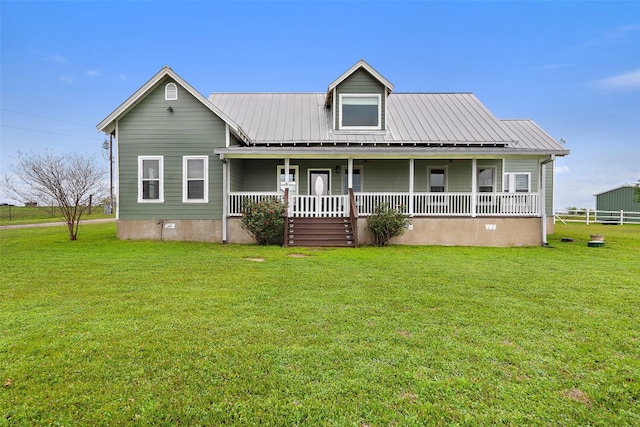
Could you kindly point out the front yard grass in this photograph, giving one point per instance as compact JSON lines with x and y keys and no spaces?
{"x":108,"y":332}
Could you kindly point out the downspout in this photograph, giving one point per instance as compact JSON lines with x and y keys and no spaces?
{"x":225,"y":197}
{"x":543,"y":207}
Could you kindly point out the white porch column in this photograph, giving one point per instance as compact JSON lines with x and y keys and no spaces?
{"x":474,"y":186}
{"x":286,"y":185}
{"x":411,"y":180}
{"x":286,"y":172}
{"x":350,"y":167}
{"x":225,"y":197}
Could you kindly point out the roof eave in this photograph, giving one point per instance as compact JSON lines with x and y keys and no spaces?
{"x":330,"y":151}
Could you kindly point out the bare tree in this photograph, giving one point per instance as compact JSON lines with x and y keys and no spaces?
{"x":70,"y":180}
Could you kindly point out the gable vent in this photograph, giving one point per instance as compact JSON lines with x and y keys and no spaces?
{"x":171,"y":92}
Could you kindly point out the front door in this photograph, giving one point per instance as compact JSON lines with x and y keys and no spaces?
{"x":319,"y":186}
{"x":319,"y":183}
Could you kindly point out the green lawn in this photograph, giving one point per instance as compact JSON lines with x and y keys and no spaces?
{"x":107,"y":332}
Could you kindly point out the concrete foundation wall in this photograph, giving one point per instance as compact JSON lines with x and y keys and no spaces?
{"x":237,"y":234}
{"x":191,"y":230}
{"x":500,"y":232}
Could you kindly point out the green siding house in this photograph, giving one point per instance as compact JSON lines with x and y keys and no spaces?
{"x":186,"y":163}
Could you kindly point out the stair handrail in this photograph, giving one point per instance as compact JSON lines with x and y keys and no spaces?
{"x":353,"y":216}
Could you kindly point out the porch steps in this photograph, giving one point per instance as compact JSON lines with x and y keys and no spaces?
{"x":319,"y":231}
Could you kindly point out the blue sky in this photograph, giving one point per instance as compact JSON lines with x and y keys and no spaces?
{"x":573,"y":67}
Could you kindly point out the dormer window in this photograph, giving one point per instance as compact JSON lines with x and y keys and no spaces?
{"x":360,"y":112}
{"x":171,"y":92}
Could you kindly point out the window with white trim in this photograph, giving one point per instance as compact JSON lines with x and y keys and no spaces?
{"x":293,"y":181}
{"x":150,"y":179}
{"x":195,"y":179}
{"x":486,"y":180}
{"x":437,"y":179}
{"x":517,"y":182}
{"x":171,"y":92}
{"x":360,"y":112}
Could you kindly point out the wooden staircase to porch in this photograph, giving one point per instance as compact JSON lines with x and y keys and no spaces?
{"x":320,"y":231}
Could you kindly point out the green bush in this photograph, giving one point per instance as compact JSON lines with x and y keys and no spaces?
{"x":264,"y":220}
{"x":386,"y":223}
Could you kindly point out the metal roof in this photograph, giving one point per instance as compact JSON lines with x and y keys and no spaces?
{"x":530,"y":136}
{"x":419,"y":119}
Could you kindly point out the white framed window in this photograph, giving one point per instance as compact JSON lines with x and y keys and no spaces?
{"x":437,"y":179}
{"x":360,"y":111}
{"x":195,"y":178}
{"x":293,"y":180}
{"x":171,"y":92}
{"x":517,"y":182}
{"x":150,"y":179}
{"x":486,"y":179}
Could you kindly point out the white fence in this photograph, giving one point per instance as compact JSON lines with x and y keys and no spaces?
{"x":589,"y":216}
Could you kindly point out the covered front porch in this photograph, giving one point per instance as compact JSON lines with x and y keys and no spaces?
{"x":421,"y":187}
{"x":499,"y":190}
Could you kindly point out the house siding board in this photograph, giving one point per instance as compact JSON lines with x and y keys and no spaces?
{"x":150,"y":130}
{"x":530,"y":165}
{"x":386,"y":175}
{"x":236,"y":174}
{"x":620,"y":198}
{"x":548,"y":190}
{"x":378,"y":175}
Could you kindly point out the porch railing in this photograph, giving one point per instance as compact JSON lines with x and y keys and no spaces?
{"x":237,"y":198}
{"x":318,"y":206}
{"x":453,"y":204}
{"x":423,"y":204}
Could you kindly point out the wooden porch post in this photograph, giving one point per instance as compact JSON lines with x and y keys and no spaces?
{"x":350,"y":179}
{"x":411,"y":180}
{"x":474,"y":186}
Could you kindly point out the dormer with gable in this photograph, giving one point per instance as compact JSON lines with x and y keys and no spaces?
{"x":358,"y":100}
